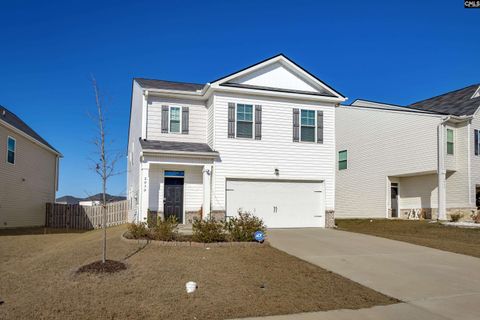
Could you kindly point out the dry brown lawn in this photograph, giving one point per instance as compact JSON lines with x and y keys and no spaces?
{"x":38,"y":281}
{"x":434,"y":235}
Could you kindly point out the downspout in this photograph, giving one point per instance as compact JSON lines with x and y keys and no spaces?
{"x":441,"y":171}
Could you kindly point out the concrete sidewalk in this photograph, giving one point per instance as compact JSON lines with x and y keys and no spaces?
{"x":434,"y":284}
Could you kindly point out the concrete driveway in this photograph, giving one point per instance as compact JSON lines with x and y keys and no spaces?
{"x":434,"y":284}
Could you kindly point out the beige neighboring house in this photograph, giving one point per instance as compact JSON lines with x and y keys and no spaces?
{"x":29,"y":168}
{"x":391,"y":159}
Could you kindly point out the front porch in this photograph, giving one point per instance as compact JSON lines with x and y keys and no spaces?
{"x":176,"y":183}
{"x":416,"y":196}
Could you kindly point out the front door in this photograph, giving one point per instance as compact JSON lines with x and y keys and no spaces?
{"x":173,"y":198}
{"x":394,"y":199}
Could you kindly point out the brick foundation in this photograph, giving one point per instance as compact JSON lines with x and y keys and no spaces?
{"x":329,"y":218}
{"x":218,"y":215}
{"x":190,"y":216}
{"x":432,"y":213}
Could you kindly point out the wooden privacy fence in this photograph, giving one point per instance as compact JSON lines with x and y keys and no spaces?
{"x":75,"y":216}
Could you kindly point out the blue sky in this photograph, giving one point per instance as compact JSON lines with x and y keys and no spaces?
{"x":397,"y":52}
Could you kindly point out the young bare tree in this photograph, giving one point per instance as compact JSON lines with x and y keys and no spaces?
{"x":104,"y":165}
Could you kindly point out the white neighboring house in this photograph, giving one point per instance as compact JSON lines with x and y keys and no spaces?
{"x":391,"y":159}
{"x":90,"y":203}
{"x":260,"y":140}
{"x":29,"y":168}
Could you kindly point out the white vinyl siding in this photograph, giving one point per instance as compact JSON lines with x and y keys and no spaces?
{"x":394,"y":144}
{"x":383,"y":144}
{"x":197,"y":120}
{"x":474,"y":159}
{"x":135,"y":133}
{"x":259,"y":158}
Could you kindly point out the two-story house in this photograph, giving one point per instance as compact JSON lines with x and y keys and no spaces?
{"x":28,"y":173}
{"x":391,"y":159}
{"x":260,"y":140}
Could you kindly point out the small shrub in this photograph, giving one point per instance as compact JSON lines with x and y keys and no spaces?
{"x":454,"y":217}
{"x":166,"y":229}
{"x":243,"y":227}
{"x":208,"y":231}
{"x":152,"y":218}
{"x":138,"y":230}
{"x":475,"y":216}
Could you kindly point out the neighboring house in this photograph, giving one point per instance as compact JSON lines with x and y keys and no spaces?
{"x":89,"y":201}
{"x":28,"y":173}
{"x":68,"y":200}
{"x":260,"y":140}
{"x":390,"y":159}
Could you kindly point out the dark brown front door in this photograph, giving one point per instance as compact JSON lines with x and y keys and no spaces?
{"x":173,"y":202}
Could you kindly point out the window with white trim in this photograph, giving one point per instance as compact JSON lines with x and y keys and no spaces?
{"x":11,"y":150}
{"x":175,"y":119}
{"x":342,"y":160}
{"x":450,"y":144}
{"x":244,"y":120}
{"x":307,"y":125}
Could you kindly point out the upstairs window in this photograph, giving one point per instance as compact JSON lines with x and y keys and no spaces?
{"x":307,"y":130}
{"x":450,"y":145}
{"x":244,"y":120}
{"x":342,"y":160}
{"x":11,"y":145}
{"x":476,"y":136}
{"x":175,"y":119}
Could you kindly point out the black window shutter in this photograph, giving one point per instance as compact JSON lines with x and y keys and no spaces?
{"x":258,"y":122}
{"x":476,"y":142}
{"x":231,"y":120}
{"x":296,"y":125}
{"x":319,"y":126}
{"x":185,"y":119}
{"x":164,"y":119}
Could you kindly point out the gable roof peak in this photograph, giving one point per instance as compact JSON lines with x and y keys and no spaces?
{"x":14,"y":121}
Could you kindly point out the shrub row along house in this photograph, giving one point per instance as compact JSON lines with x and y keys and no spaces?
{"x":272,"y":139}
{"x":28,"y":173}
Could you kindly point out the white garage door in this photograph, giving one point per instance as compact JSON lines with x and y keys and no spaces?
{"x":280,"y":203}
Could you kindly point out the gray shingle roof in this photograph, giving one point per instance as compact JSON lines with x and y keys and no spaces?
{"x":458,"y":102}
{"x":168,"y":85}
{"x":12,"y":119}
{"x":176,"y":146}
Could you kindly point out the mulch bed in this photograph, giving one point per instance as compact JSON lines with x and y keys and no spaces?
{"x":110,"y":266}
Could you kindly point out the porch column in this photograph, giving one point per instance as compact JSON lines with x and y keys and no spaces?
{"x":442,"y":173}
{"x":144,"y":191}
{"x":207,"y":173}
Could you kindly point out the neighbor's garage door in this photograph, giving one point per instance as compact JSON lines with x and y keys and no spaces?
{"x":280,"y":203}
